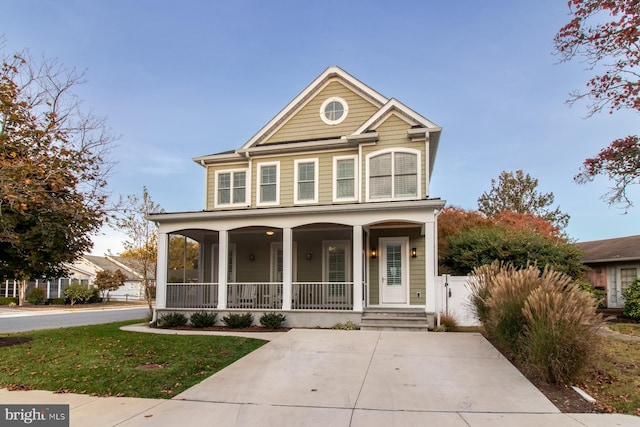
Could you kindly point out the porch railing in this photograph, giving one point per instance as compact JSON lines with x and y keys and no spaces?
{"x":304,"y":295}
{"x":255,"y":295}
{"x":322,"y":296}
{"x":192,"y":295}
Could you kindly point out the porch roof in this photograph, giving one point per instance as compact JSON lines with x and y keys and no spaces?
{"x":298,"y":210}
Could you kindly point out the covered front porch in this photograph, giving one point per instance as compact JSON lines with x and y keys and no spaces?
{"x":316,"y":271}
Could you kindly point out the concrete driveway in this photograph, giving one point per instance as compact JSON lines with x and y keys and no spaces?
{"x":346,"y":378}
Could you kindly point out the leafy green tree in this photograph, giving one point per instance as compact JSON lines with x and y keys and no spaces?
{"x":142,"y":235}
{"x":53,"y":170}
{"x":605,"y":35}
{"x":107,"y":281}
{"x":516,"y":192}
{"x":478,"y":246}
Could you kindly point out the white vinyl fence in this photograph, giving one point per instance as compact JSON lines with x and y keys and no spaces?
{"x":454,"y":299}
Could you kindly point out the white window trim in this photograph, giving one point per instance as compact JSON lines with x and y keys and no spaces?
{"x":325,"y":256}
{"x":327,"y":102}
{"x":356,"y":180}
{"x":418,"y":173}
{"x":315,"y":182}
{"x":259,"y":184}
{"x":247,"y":188}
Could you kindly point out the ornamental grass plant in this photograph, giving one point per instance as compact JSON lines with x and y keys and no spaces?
{"x":560,"y":335}
{"x":543,"y":317}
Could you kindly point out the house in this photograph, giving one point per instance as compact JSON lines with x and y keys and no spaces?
{"x":614,"y":264}
{"x":83,"y":271}
{"x":324,"y":214}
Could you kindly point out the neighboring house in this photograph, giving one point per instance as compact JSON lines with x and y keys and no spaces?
{"x":614,"y":264}
{"x":84,"y":271}
{"x":323,"y":214}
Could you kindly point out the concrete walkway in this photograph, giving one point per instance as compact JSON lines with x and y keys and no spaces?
{"x":345,"y":378}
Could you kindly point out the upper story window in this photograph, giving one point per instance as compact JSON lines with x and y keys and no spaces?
{"x":268,"y":187}
{"x":231,"y":188}
{"x":393,"y":175}
{"x":306,"y":181}
{"x":334,"y":110}
{"x":344,"y":178}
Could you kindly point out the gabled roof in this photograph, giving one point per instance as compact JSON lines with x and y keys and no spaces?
{"x":422,"y":127}
{"x":113,"y":263}
{"x":611,"y":250}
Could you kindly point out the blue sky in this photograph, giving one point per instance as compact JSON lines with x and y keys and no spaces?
{"x":179,"y":79}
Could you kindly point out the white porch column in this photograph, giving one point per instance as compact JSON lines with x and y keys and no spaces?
{"x":161,"y":272}
{"x":223,"y":262}
{"x":431,"y":262}
{"x":287,"y":268}
{"x":357,"y":268}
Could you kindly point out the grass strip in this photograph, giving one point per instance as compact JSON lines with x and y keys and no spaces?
{"x":614,"y":380}
{"x":106,"y":361}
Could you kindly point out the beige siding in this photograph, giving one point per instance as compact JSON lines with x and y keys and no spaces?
{"x":393,"y":133}
{"x":287,"y":176}
{"x":307,"y":124}
{"x":210,"y":191}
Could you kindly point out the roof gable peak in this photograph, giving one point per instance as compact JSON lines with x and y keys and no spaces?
{"x":332,"y":73}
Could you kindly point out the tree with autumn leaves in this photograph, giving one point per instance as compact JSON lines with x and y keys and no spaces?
{"x":53,"y":169}
{"x":606,"y":35}
{"x":515,"y":223}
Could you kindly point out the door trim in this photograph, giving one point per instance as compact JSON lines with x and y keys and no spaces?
{"x":382,"y":241}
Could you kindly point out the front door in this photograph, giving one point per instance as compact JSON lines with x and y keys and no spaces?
{"x":394,"y":270}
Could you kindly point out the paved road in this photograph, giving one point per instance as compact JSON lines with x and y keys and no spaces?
{"x":15,"y":320}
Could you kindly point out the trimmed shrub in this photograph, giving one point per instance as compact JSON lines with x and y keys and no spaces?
{"x":236,"y":321}
{"x":272,"y":320}
{"x":37,"y":296}
{"x":78,"y":293}
{"x":95,"y":296}
{"x":57,"y":301}
{"x":561,"y":330}
{"x":632,"y":300}
{"x":8,"y":300}
{"x":171,"y":320}
{"x":203,"y":319}
{"x":348,"y":326}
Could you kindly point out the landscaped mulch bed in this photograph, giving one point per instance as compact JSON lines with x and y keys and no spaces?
{"x":565,"y":398}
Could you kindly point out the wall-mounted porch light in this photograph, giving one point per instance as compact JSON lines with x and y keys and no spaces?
{"x":374,"y":253}
{"x":414,"y":252}
{"x":309,"y":255}
{"x":252,"y":257}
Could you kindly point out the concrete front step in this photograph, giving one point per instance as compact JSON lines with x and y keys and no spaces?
{"x":394,"y":320}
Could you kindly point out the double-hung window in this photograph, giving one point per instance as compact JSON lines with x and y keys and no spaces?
{"x":231,"y":188}
{"x":268,"y":188}
{"x":344,"y":178}
{"x":393,"y":175}
{"x":306,"y":181}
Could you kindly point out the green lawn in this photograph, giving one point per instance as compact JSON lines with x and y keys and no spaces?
{"x":614,"y":380}
{"x":106,"y":361}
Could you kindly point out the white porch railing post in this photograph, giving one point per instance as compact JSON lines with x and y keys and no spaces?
{"x":223,"y":262}
{"x":287,"y":268}
{"x":161,"y":273}
{"x":357,"y":268}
